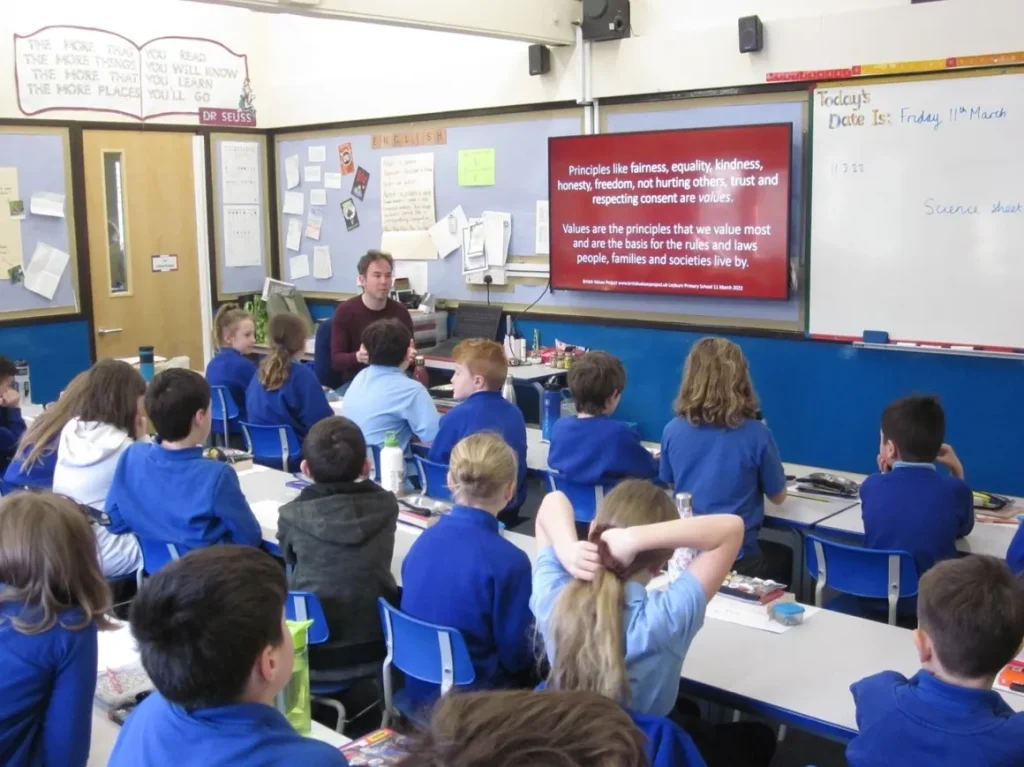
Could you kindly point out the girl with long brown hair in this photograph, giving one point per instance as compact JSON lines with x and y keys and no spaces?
{"x":110,"y":417}
{"x":719,"y":450}
{"x":603,"y":630}
{"x":286,"y":392}
{"x":36,"y":458}
{"x":234,"y":337}
{"x":52,"y":601}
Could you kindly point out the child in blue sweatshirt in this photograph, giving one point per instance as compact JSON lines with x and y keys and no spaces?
{"x":970,"y":624}
{"x":910,"y":506}
{"x":593,"y":449}
{"x":170,"y":493}
{"x":1015,"y":555}
{"x":719,"y":450}
{"x":284,"y":391}
{"x":36,"y":458}
{"x":234,"y":337}
{"x":571,"y":729}
{"x":211,"y":631}
{"x":462,"y":573}
{"x":52,"y":603}
{"x":480,"y":370}
{"x":11,"y":424}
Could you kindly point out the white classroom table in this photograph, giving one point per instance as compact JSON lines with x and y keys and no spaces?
{"x":520,"y":373}
{"x":104,"y":735}
{"x":801,"y":677}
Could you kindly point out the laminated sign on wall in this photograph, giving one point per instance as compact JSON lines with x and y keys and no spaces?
{"x":80,"y":68}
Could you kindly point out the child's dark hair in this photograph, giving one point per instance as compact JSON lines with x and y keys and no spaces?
{"x":112,"y":394}
{"x":7,"y":368}
{"x":973,"y":610}
{"x":917,"y":426}
{"x":173,"y":399}
{"x":287,"y":334}
{"x":48,"y":563}
{"x":593,"y":378}
{"x":387,"y":342}
{"x":225,"y":321}
{"x":335,"y":450}
{"x":203,"y":620}
{"x":373,"y":255}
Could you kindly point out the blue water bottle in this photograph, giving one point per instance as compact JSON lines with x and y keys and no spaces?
{"x":146,"y":362}
{"x":551,"y":409}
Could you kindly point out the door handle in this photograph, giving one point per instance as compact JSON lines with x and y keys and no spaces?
{"x":107,"y":331}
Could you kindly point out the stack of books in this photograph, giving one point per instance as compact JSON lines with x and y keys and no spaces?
{"x":380,"y":748}
{"x":759,"y":593}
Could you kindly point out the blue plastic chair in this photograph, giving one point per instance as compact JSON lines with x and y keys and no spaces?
{"x":156,"y":554}
{"x":373,"y":456}
{"x":860,"y":572}
{"x":584,"y":498}
{"x":224,"y":411}
{"x":434,"y":479}
{"x":302,"y":606}
{"x":273,"y":446}
{"x":424,"y":651}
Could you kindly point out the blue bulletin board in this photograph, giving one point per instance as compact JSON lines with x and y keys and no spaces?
{"x":520,"y":143}
{"x":41,"y":157}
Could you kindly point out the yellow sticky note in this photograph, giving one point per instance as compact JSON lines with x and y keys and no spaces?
{"x":476,"y":167}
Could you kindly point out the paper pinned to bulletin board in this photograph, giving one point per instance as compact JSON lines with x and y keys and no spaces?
{"x":10,"y":228}
{"x":476,"y":167}
{"x":407,"y":206}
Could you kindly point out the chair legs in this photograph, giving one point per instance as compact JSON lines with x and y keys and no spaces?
{"x":338,"y":707}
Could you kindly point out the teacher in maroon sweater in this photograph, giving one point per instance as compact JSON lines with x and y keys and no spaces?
{"x":376,"y":275}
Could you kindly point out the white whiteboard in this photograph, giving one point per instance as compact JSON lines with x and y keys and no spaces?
{"x":917,"y":227}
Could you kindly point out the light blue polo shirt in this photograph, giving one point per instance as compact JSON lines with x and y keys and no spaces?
{"x":659,"y":628}
{"x":382,"y":399}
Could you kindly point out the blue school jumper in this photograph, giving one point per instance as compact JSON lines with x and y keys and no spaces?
{"x":728,"y":471}
{"x":234,"y":371}
{"x":47,"y":684}
{"x":177,"y":496}
{"x":462,"y":573}
{"x":916,"y":509}
{"x":40,"y":475}
{"x":484,"y":411}
{"x":1015,"y":555}
{"x":299,"y":403}
{"x":12,"y":426}
{"x":160,"y":733}
{"x":925,"y":721}
{"x":599,"y":451}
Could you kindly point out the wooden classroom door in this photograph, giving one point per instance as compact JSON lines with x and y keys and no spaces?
{"x":141,"y":213}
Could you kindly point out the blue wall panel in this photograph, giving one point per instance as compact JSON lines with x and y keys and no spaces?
{"x":56,"y":352}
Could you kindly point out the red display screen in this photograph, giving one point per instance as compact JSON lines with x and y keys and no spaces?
{"x":702,"y":211}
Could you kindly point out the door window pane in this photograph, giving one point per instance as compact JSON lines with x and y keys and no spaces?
{"x":117,"y":235}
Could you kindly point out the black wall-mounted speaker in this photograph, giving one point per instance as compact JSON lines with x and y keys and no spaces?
{"x":751,"y":34}
{"x":540,"y":60}
{"x":605,"y":19}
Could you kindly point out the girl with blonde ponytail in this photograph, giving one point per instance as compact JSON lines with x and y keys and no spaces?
{"x":284,"y":391}
{"x":234,"y":338}
{"x":603,"y":631}
{"x":463,"y":573}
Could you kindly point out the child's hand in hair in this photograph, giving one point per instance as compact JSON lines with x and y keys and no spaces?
{"x":362,"y":355}
{"x":581,"y":560}
{"x":621,"y":545}
{"x":948,"y":458}
{"x":883,"y":464}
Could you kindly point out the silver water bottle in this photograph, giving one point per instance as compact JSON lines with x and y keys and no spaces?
{"x":508,"y":390}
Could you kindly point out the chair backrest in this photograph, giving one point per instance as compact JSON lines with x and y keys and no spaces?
{"x":434,"y":479}
{"x":305,"y":606}
{"x":224,"y":410}
{"x":373,"y":456}
{"x":425,"y":651}
{"x":156,"y":554}
{"x":584,"y":498}
{"x":860,"y":572}
{"x":272,"y":445}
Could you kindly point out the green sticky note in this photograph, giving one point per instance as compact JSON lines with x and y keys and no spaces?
{"x":476,"y":167}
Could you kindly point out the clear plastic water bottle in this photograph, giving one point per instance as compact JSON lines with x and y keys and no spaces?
{"x":392,"y":464}
{"x":682,"y":557}
{"x":508,"y":391}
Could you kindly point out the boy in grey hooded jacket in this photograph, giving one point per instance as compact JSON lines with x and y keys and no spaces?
{"x":339,"y":535}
